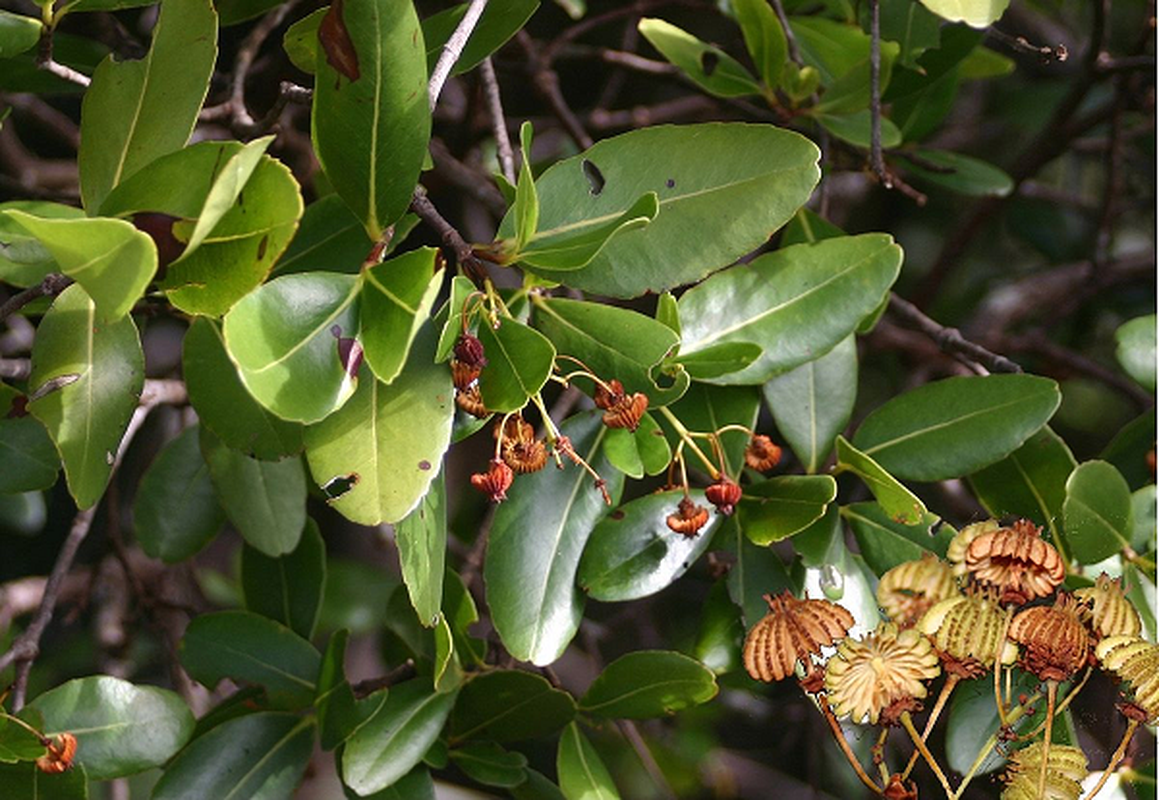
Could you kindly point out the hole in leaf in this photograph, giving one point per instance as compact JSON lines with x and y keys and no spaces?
{"x":340,"y":485}
{"x":595,"y":177}
{"x":18,"y":408}
{"x":708,"y":62}
{"x":349,"y":355}
{"x":337,"y":44}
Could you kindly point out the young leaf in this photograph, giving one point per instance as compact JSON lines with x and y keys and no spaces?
{"x":489,"y":764}
{"x":1136,"y":350}
{"x":962,"y":174}
{"x":137,"y":111}
{"x":287,"y":589}
{"x":421,"y":537}
{"x":509,"y":706}
{"x":370,"y":120}
{"x":709,"y":67}
{"x":87,"y":380}
{"x":397,"y":297}
{"x":900,"y":503}
{"x":648,"y":683}
{"x":121,"y":729}
{"x":780,"y":507}
{"x":719,"y":359}
{"x":519,"y":361}
{"x":1097,"y":512}
{"x":884,"y":542}
{"x":635,"y":454}
{"x":498,"y":23}
{"x":300,"y":41}
{"x":566,"y":250}
{"x":526,"y":207}
{"x":764,"y":38}
{"x":582,"y":774}
{"x":24,"y":261}
{"x":795,"y":302}
{"x":18,"y":33}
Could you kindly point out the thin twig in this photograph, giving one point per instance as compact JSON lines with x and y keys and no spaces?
{"x":632,"y":734}
{"x":546,"y":82}
{"x":1038,"y":344}
{"x":790,"y":40}
{"x":1019,"y":44}
{"x":452,"y":49}
{"x":950,"y":340}
{"x":245,"y":58}
{"x":498,"y":120}
{"x":402,"y":672}
{"x":876,"y":161}
{"x":421,"y":205}
{"x":45,"y":62}
{"x":53,"y":284}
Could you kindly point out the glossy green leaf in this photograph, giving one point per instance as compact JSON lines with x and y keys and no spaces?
{"x":265,"y":500}
{"x":807,"y":227}
{"x":796,"y":303}
{"x":509,"y":706}
{"x":87,"y":378}
{"x":719,"y":359}
{"x":287,"y":589}
{"x":1143,"y":518}
{"x":812,"y":403}
{"x":899,"y":503}
{"x":137,"y":111}
{"x":1096,"y":512}
{"x":709,"y":67}
{"x":519,"y":360}
{"x":244,"y":646}
{"x":920,"y":114}
{"x":1128,"y":450}
{"x":395,"y":739}
{"x":536,"y":541}
{"x":764,"y":38}
{"x":849,"y":92}
{"x":223,"y":404}
{"x":956,"y":426}
{"x":756,"y":572}
{"x":24,"y":261}
{"x":331,"y":239}
{"x":582,"y":774}
{"x":648,"y":683}
{"x":397,"y":297}
{"x":18,"y":743}
{"x":975,"y":13}
{"x":339,"y":713}
{"x":300,"y":41}
{"x":780,"y":507}
{"x":723,"y":188}
{"x":635,"y":454}
{"x":460,"y":612}
{"x":614,"y":343}
{"x":526,"y":205}
{"x":227,"y":188}
{"x":1029,"y":483}
{"x":30,"y":459}
{"x":82,"y":53}
{"x":537,"y":787}
{"x":421,"y":538}
{"x":370,"y":121}
{"x":489,"y":764}
{"x":958,"y":42}
{"x":718,"y":640}
{"x":962,"y":174}
{"x":567,"y":250}
{"x":1136,"y":350}
{"x":884,"y":542}
{"x":448,"y":669}
{"x":286,"y":339}
{"x":972,"y":718}
{"x":176,"y":513}
{"x":709,"y":408}
{"x":121,"y":729}
{"x":376,"y":457}
{"x":111,"y":259}
{"x":269,"y":766}
{"x":832,"y":48}
{"x":18,"y":33}
{"x":632,"y":553}
{"x":854,"y":128}
{"x":498,"y":23}
{"x":26,"y":782}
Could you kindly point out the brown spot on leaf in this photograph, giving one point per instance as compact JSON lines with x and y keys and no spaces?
{"x":18,"y":408}
{"x":337,"y":44}
{"x":670,"y":183}
{"x":617,"y":515}
{"x":53,"y":384}
{"x":262,"y":245}
{"x":424,"y":465}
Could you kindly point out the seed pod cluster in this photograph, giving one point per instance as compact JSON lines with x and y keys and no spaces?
{"x":910,"y":589}
{"x":968,"y":632}
{"x":792,"y":632}
{"x":621,"y":410}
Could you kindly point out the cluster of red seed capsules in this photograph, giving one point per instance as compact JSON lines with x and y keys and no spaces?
{"x":980,"y":611}
{"x":724,"y":493}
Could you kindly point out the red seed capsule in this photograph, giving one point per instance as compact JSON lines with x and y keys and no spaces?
{"x":724,"y":494}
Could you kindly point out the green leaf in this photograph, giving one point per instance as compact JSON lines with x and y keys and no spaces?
{"x":854,"y":128}
{"x":975,"y":13}
{"x":536,"y":787}
{"x":764,"y":38}
{"x":614,"y":343}
{"x":82,"y":53}
{"x":812,"y":403}
{"x":723,"y":188}
{"x":26,"y":782}
{"x":536,"y":541}
{"x":286,"y":339}
{"x":1029,"y":483}
{"x":88,"y":378}
{"x":519,"y":361}
{"x":567,"y":250}
{"x":1136,"y":350}
{"x":287,"y":589}
{"x":807,"y":227}
{"x":796,"y":303}
{"x":397,"y":297}
{"x":648,"y":683}
{"x":498,"y":23}
{"x":956,"y":426}
{"x":111,"y":259}
{"x":919,"y":114}
{"x":222,"y":403}
{"x":709,"y":67}
{"x":849,"y":92}
{"x":421,"y":538}
{"x":635,"y":454}
{"x":884,"y":542}
{"x":1128,"y":450}
{"x":899,"y":503}
{"x":489,"y":764}
{"x":30,"y":459}
{"x":137,"y":111}
{"x":719,"y":359}
{"x":17,"y":33}
{"x":526,"y":206}
{"x":632,"y":553}
{"x":301,"y":41}
{"x":1143,"y":518}
{"x":370,"y":122}
{"x":460,"y":612}
{"x":832,"y":48}
{"x":331,"y":239}
{"x":244,"y":646}
{"x":176,"y":513}
{"x":774,"y":510}
{"x":227,"y":188}
{"x":710,"y":408}
{"x":395,"y":739}
{"x":667,"y":312}
{"x":24,"y":261}
{"x":377,"y":456}
{"x":909,"y":24}
{"x":509,"y":706}
{"x":448,"y":670}
{"x":16,"y":742}
{"x":121,"y":729}
{"x":268,"y":766}
{"x":339,"y":713}
{"x":582,"y":774}
{"x":236,"y":11}
{"x":984,"y":63}
{"x":265,"y":500}
{"x":757,"y":571}
{"x":718,"y":641}
{"x":1097,"y":512}
{"x":962,"y":174}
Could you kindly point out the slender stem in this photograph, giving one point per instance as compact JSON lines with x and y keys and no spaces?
{"x":983,"y":753}
{"x":908,"y":723}
{"x":839,"y":736}
{"x":876,"y":160}
{"x":998,"y":701}
{"x":453,"y":49}
{"x":498,"y":121}
{"x":1116,"y":757}
{"x":44,"y":740}
{"x":632,"y":734}
{"x":949,"y":340}
{"x":53,"y":284}
{"x":1074,"y":690}
{"x":943,"y":697}
{"x":1051,"y":696}
{"x":686,"y":437}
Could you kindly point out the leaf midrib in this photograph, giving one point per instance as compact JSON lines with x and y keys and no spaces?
{"x":640,"y":690}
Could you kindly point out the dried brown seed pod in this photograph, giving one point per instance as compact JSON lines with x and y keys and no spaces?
{"x":607,"y":396}
{"x":910,"y":589}
{"x":761,"y":454}
{"x":1017,"y":561}
{"x":968,"y":632}
{"x":724,"y":494}
{"x":1111,"y":612}
{"x":1066,"y":767}
{"x":495,"y":481}
{"x":899,"y":789}
{"x":471,"y":401}
{"x":58,"y":755}
{"x":793,"y":631}
{"x":627,"y":412}
{"x":956,"y":552}
{"x":515,"y":429}
{"x":868,"y":676}
{"x":469,"y":350}
{"x":463,"y":374}
{"x":1135,"y":661}
{"x":525,"y":457}
{"x":1055,"y":642}
{"x":689,"y":517}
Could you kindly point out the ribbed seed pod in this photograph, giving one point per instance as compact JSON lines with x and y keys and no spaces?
{"x":516,"y":428}
{"x":495,"y":481}
{"x":724,"y":494}
{"x":792,"y":631}
{"x":471,"y":401}
{"x":1066,"y":767}
{"x":58,"y":755}
{"x":910,"y":589}
{"x":968,"y":632}
{"x":626,"y":413}
{"x":464,"y":374}
{"x":866,"y":677}
{"x":525,"y":457}
{"x":956,"y":552}
{"x":1111,"y":612}
{"x":688,"y":518}
{"x":1055,"y":642}
{"x":762,"y":454}
{"x":1017,"y":561}
{"x":1135,"y":661}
